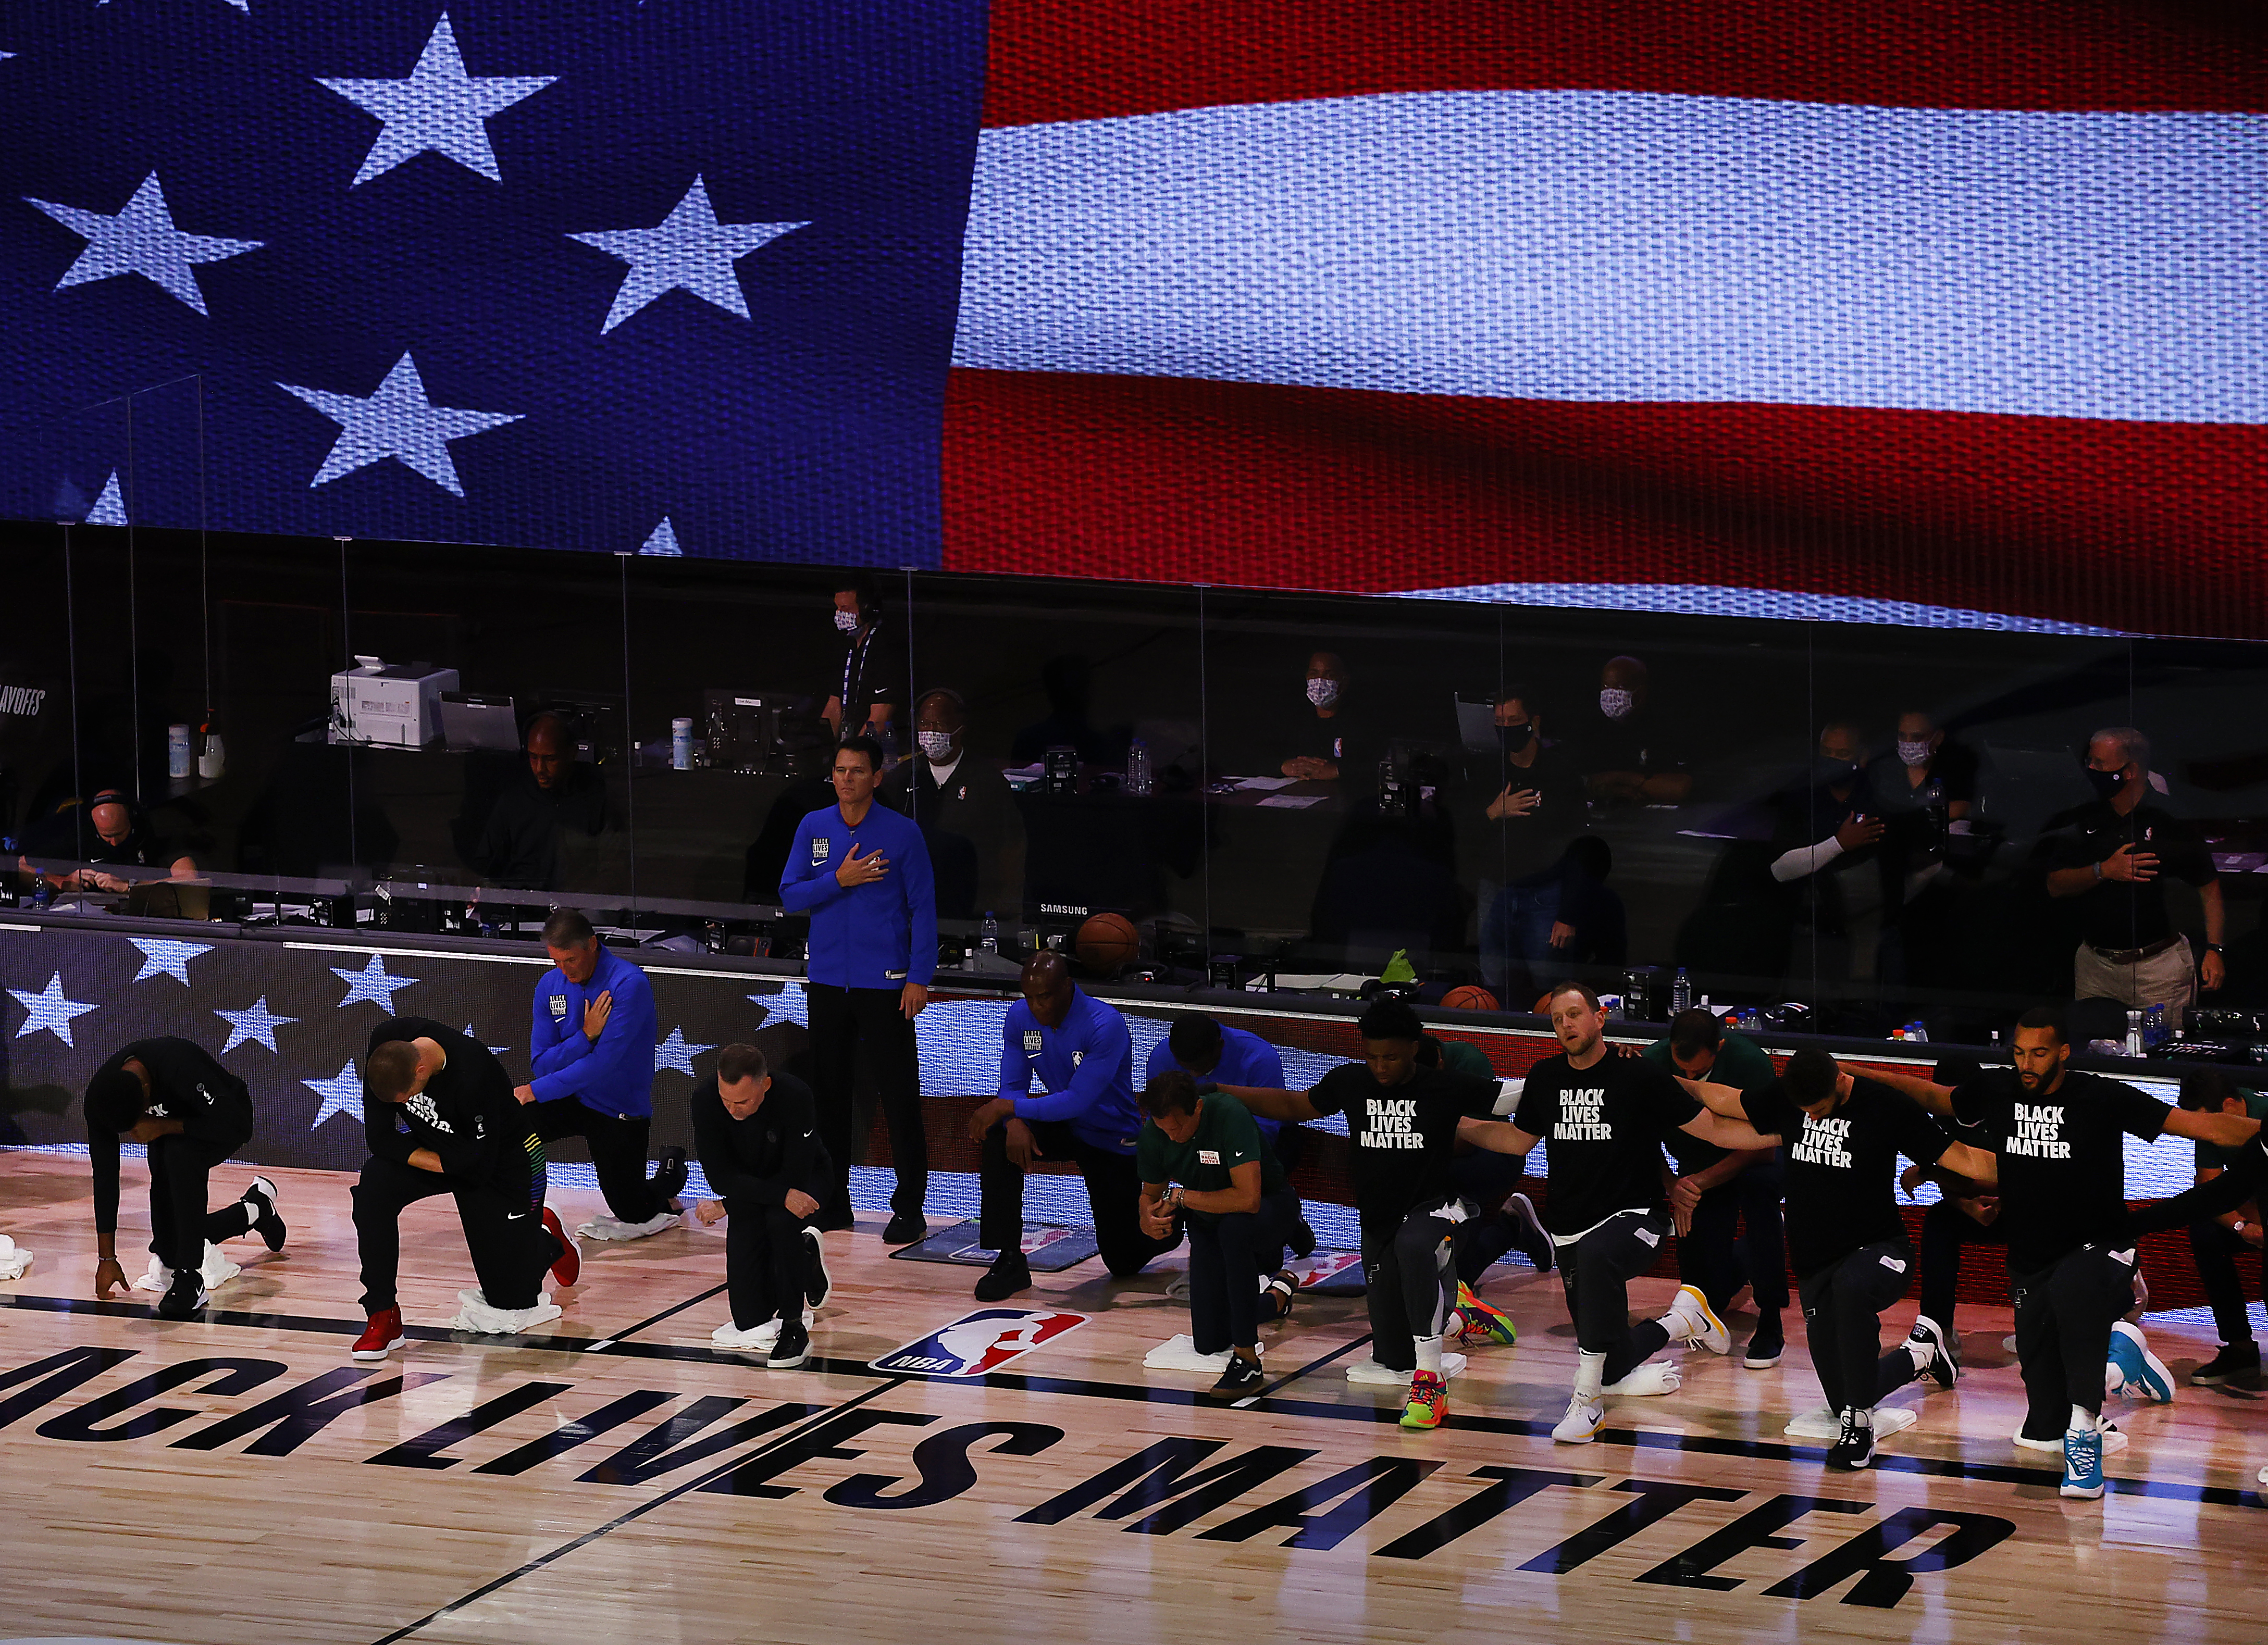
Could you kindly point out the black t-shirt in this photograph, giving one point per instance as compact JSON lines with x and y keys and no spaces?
{"x":65,"y":837}
{"x":1351,"y":739}
{"x":1603,"y":1127}
{"x":1843,"y":1171}
{"x":873,"y":671}
{"x":1533,"y":842}
{"x":2127,"y":914}
{"x":752,"y":1163}
{"x":1403,"y":1135}
{"x":2063,"y":1165}
{"x":185,"y":1083}
{"x":1639,"y":742}
{"x":466,"y":1115}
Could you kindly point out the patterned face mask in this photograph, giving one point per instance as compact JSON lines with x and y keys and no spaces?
{"x":1913,"y":754}
{"x":937,"y":745}
{"x":846,"y":620}
{"x":1615,"y":703}
{"x":1323,"y":693}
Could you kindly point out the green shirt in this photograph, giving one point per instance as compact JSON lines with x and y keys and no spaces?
{"x":1741,"y":1064}
{"x":2211,"y":1155}
{"x":1226,"y":1138}
{"x":1460,"y":1056}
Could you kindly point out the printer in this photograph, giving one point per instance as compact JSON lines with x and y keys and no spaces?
{"x":392,"y":705}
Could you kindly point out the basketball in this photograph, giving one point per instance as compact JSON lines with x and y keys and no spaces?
{"x":1469,"y":998}
{"x":1105,"y":942}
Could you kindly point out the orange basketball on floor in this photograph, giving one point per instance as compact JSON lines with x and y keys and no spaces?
{"x":1108,"y":941}
{"x":1469,"y":998}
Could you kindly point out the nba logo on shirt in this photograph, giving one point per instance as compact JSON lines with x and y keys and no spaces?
{"x":819,"y":849}
{"x":979,"y":1342}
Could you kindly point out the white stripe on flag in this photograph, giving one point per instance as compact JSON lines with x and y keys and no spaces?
{"x":1587,"y":245}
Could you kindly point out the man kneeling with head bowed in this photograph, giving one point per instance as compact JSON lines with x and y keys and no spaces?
{"x":757,"y":1135}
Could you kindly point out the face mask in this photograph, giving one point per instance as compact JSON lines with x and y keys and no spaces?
{"x":1914,"y":753}
{"x":2105,"y":783}
{"x":1512,"y":738}
{"x":937,"y":745}
{"x":1615,"y":703}
{"x":1323,"y":693}
{"x":846,"y":620}
{"x":1833,"y":773}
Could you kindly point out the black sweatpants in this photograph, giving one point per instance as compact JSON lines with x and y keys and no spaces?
{"x":2063,"y":1316}
{"x":510,"y":1248}
{"x":766,"y":1260}
{"x":1945,"y":1228}
{"x":1596,"y":1271}
{"x":841,"y":1019}
{"x":1487,"y":1179}
{"x":1113,"y":1195}
{"x":1227,"y":1256}
{"x":179,"y":1225}
{"x":2215,"y":1249}
{"x":1409,"y":1276}
{"x":618,"y":1148}
{"x":1843,"y":1305}
{"x":1737,"y":1240}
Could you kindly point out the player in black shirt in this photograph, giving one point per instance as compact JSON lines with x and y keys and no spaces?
{"x":172,"y":1095}
{"x":1404,"y":1121}
{"x":1606,"y":1116}
{"x":757,"y":1135}
{"x":439,"y":1117}
{"x":1843,"y":1136}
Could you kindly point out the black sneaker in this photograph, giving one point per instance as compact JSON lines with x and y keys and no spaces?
{"x":2237,"y":1362}
{"x":669,"y":1174}
{"x":1940,"y":1361}
{"x":1767,"y":1344}
{"x":1008,"y":1274}
{"x":794,"y":1345}
{"x":1528,"y":1236}
{"x":1241,"y":1381}
{"x":907,"y":1228}
{"x":816,"y":1280}
{"x":1854,"y":1447}
{"x":1303,"y":1238}
{"x":267,"y":1221}
{"x":184,"y":1296}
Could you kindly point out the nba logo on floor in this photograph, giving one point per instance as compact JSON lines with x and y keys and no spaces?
{"x":976,"y":1343}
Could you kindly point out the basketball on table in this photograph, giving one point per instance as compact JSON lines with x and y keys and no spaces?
{"x":1469,"y":998}
{"x":1105,"y":942}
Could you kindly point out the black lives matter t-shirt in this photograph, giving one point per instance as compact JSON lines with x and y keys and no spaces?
{"x":1602,"y":1128}
{"x":2063,"y":1159}
{"x":1402,"y":1135}
{"x":1842,"y":1171}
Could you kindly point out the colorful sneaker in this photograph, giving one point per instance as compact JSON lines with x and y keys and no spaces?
{"x":2082,"y":1464}
{"x":1692,"y":1319}
{"x":569,"y":1268}
{"x":1581,"y":1424}
{"x":2135,"y":1369}
{"x":1937,"y":1358}
{"x":1484,"y":1323}
{"x":381,"y":1336}
{"x":1429,"y":1401}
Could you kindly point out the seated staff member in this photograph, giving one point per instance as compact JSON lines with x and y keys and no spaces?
{"x":438,"y":1115}
{"x":757,"y":1131}
{"x":2215,"y":1241}
{"x":1606,"y":1116}
{"x":1402,"y":1121}
{"x":1084,"y":1056}
{"x":193,"y":1113}
{"x":1725,"y":1194}
{"x":1213,"y":1052}
{"x":592,"y":1048}
{"x":1201,"y":1158}
{"x":110,"y":834}
{"x":1844,"y":1134}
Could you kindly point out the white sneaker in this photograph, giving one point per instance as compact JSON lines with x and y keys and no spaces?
{"x":2113,"y":1439}
{"x":476,"y":1315}
{"x":1656,"y":1377}
{"x":1693,"y":1320}
{"x":758,"y":1337}
{"x":1824,"y":1424}
{"x":15,"y":1261}
{"x":1581,"y":1424}
{"x":159,"y":1279}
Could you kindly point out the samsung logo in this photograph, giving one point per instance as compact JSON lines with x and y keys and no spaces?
{"x":1063,"y":907}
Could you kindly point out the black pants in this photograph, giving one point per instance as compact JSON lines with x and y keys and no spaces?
{"x":179,"y":1225}
{"x":2215,"y":1249}
{"x":1487,"y":1179}
{"x":618,"y":1146}
{"x":2063,"y":1316}
{"x":1843,"y":1306}
{"x":1737,"y":1239}
{"x":1596,"y":1271}
{"x":766,"y":1257}
{"x":1409,"y":1275}
{"x":1945,"y":1228}
{"x":1114,"y":1193}
{"x":840,"y":1019}
{"x":510,"y":1246}
{"x":1227,"y":1256}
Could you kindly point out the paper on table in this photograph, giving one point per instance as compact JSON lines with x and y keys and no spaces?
{"x":1293,"y":802}
{"x":1264,"y":785}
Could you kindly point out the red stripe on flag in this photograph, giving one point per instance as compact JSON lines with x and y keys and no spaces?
{"x":1053,"y":60}
{"x":2158,"y":527}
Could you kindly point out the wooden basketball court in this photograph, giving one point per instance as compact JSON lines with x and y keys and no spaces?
{"x":239,"y":1477}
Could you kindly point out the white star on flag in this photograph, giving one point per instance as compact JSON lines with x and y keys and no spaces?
{"x":372,"y":982}
{"x":162,"y":956}
{"x":688,"y":249}
{"x":673,"y":1052}
{"x":471,"y":1032}
{"x":110,"y":507}
{"x":49,"y":1009}
{"x":255,"y":1021}
{"x":439,"y":108}
{"x":140,"y":239}
{"x":399,"y":421}
{"x":791,"y":1004}
{"x":341,"y":1093}
{"x":664,"y":539}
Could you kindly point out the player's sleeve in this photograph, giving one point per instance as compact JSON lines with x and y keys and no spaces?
{"x":621,"y":1056}
{"x":1539,"y":1107}
{"x":1266,"y":1066}
{"x":1769,"y":1112}
{"x":1972,"y":1104}
{"x":554,"y":1042}
{"x":1091,"y":1081}
{"x":1328,"y":1095}
{"x":1242,"y":1146}
{"x":805,"y":884}
{"x":2239,"y":1185}
{"x":1015,"y":1066}
{"x":102,"y":1156}
{"x":2139,"y":1115}
{"x":1150,"y":1153}
{"x":1672,"y":1102}
{"x":1919,"y":1136}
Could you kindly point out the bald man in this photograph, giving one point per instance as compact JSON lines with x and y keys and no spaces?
{"x":110,"y":834}
{"x":520,"y":846}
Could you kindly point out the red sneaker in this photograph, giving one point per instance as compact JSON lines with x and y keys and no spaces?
{"x":569,"y":1268}
{"x":381,"y":1336}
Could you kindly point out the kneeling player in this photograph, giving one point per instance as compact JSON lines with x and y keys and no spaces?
{"x":757,"y":1135}
{"x":438,"y":1114}
{"x":193,"y":1113}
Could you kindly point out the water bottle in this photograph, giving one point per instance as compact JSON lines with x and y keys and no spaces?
{"x":1138,"y":768}
{"x":212,"y":754}
{"x":988,"y":936}
{"x":681,"y":744}
{"x":1681,"y":993}
{"x":43,"y":895}
{"x":2134,"y":1034}
{"x":178,"y":755}
{"x":1917,"y":1030}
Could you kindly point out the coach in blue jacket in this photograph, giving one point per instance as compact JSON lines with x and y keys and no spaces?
{"x":861,"y":872}
{"x":591,"y":1047}
{"x":1084,"y":1056}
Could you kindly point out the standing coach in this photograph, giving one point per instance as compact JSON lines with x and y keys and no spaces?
{"x":861,"y":871}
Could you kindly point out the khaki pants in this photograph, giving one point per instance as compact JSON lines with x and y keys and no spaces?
{"x":2168,"y":978}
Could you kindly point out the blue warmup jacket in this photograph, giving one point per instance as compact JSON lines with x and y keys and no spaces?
{"x":614,"y":1074}
{"x":1087,"y":1066}
{"x":880,"y":935}
{"x":1245,"y":1059}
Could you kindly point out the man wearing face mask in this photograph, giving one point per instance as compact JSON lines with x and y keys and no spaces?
{"x":1626,"y":754}
{"x":1537,"y":809}
{"x":1328,"y":742}
{"x":1828,"y":836}
{"x":967,"y":811}
{"x":869,"y":691}
{"x":1924,"y":797}
{"x":2111,"y":856}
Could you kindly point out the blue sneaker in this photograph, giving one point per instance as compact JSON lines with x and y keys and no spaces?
{"x":2082,"y":1464}
{"x":2137,"y":1370}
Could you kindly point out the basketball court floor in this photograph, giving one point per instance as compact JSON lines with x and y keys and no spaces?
{"x":239,"y":1479}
